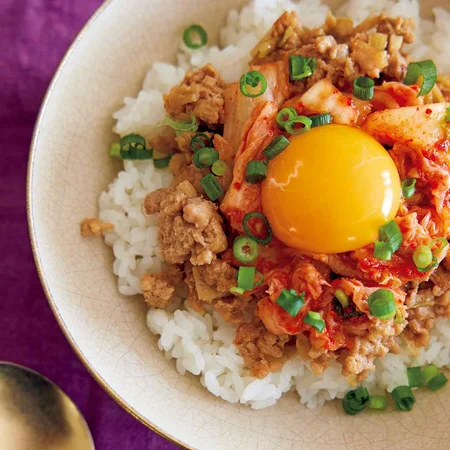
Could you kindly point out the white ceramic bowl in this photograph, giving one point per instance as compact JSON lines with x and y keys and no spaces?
{"x":69,"y":167}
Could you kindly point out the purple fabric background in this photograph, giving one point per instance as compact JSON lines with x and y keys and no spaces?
{"x":34,"y":35}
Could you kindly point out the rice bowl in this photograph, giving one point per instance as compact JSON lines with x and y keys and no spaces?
{"x":202,"y":344}
{"x":228,"y":388}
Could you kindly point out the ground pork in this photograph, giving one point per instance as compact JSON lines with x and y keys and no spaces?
{"x":94,"y":227}
{"x":342,"y":52}
{"x":199,"y":94}
{"x":379,"y":340}
{"x":423,"y":308}
{"x":159,"y":287}
{"x":236,"y":309}
{"x":263,"y":352}
{"x":441,"y":280}
{"x":213,"y":280}
{"x":190,"y":227}
{"x":183,"y":169}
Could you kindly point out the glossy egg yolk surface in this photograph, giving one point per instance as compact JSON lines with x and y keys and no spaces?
{"x":330,"y":190}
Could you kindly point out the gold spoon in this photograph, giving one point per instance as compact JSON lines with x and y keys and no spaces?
{"x":35,"y":414}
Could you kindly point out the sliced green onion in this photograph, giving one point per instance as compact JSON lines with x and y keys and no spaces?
{"x":279,"y":144}
{"x":315,"y":320}
{"x":245,"y":249}
{"x":390,"y":232}
{"x":424,"y":259}
{"x":285,"y":115}
{"x":321,"y":119}
{"x":133,"y":146}
{"x":180,"y":126}
{"x":341,"y":297}
{"x":256,"y":172}
{"x":253,"y":79}
{"x":205,"y":157}
{"x":428,"y":373}
{"x":195,"y":37}
{"x":201,"y":140}
{"x":290,"y":301}
{"x":268,"y":230}
{"x":132,"y":141}
{"x":246,"y":276}
{"x":403,"y":398}
{"x":137,"y":153}
{"x":162,"y":163}
{"x":363,"y":88}
{"x":355,"y":401}
{"x":437,"y":382}
{"x":298,"y":125}
{"x":377,"y":402}
{"x":382,"y":304}
{"x":414,"y":376}
{"x":382,"y":250}
{"x":115,"y":151}
{"x":422,"y":256}
{"x":260,"y":280}
{"x":219,"y":168}
{"x":237,"y":290}
{"x":432,"y":266}
{"x":427,"y":69}
{"x":447,"y":114}
{"x":408,"y":187}
{"x":212,"y":187}
{"x":301,"y":67}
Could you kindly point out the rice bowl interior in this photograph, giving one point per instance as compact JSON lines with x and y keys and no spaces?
{"x":198,"y":342}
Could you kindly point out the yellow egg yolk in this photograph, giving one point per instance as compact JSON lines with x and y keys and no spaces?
{"x":330,"y":190}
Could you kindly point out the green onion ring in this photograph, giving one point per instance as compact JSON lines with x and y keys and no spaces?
{"x":290,"y":126}
{"x":422,"y":256}
{"x":403,"y":398}
{"x":315,"y":320}
{"x":321,"y":119}
{"x":355,"y":401}
{"x":219,"y":168}
{"x":427,"y":69}
{"x":285,"y":115}
{"x":278,"y":145}
{"x":408,"y":187}
{"x":212,"y":187}
{"x":414,"y":376}
{"x":262,"y":217}
{"x":290,"y":301}
{"x":301,"y":67}
{"x":195,"y":31}
{"x":180,"y":126}
{"x":253,"y":79}
{"x":201,"y":138}
{"x":382,"y":304}
{"x":246,"y":277}
{"x":245,"y":249}
{"x":437,"y":382}
{"x":255,"y":172}
{"x":363,"y":88}
{"x":205,"y":157}
{"x":377,"y":402}
{"x":382,"y":250}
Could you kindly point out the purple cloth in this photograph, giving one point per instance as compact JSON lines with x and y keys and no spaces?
{"x":34,"y":35}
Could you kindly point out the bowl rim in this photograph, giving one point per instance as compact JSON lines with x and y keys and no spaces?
{"x":35,"y":247}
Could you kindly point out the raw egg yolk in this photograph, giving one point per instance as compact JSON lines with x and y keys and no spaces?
{"x":330,"y":190}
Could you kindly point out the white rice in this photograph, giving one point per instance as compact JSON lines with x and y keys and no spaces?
{"x":203,"y":345}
